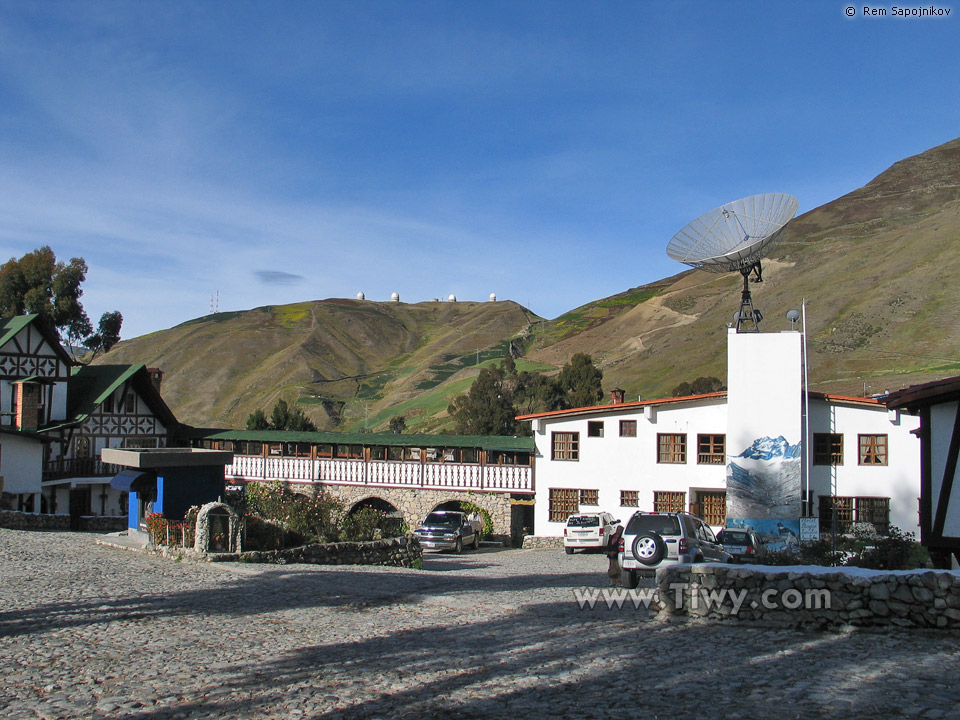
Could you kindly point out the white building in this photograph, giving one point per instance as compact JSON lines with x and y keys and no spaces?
{"x":56,"y":417}
{"x":735,"y":457}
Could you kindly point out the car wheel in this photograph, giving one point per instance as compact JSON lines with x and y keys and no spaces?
{"x":649,"y":548}
{"x":458,"y":547}
{"x":568,"y":550}
{"x":628,"y":578}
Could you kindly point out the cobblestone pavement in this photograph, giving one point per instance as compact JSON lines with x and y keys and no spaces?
{"x":88,"y":631}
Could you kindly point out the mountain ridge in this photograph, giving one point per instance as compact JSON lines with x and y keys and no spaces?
{"x":877,"y":268}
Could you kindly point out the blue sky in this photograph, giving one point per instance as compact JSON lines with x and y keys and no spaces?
{"x":543,"y":151}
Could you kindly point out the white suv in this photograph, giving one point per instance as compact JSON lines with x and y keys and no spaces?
{"x":588,"y":530}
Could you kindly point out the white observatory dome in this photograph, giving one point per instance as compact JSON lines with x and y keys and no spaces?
{"x":361,"y":296}
{"x":394,"y":297}
{"x":493,"y":297}
{"x":452,"y":298}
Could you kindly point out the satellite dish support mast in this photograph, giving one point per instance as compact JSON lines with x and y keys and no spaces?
{"x":747,"y":313}
{"x":734,"y":238}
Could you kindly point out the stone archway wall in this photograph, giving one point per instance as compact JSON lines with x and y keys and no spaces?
{"x":414,"y":504}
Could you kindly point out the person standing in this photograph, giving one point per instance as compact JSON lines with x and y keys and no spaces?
{"x":613,"y":553}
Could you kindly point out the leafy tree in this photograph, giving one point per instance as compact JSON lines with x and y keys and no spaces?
{"x":700,"y":386}
{"x":487,"y":408}
{"x":38,"y":283}
{"x":535,"y":392}
{"x":398,"y":424}
{"x":298,"y":421}
{"x":581,"y":381}
{"x":281,"y":418}
{"x":257,"y":421}
{"x":107,"y":334}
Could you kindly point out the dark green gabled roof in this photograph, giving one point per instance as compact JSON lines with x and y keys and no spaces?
{"x":484,"y":442}
{"x":90,"y":385}
{"x":10,"y":326}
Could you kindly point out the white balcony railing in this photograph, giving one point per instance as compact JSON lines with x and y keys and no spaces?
{"x":385,"y":473}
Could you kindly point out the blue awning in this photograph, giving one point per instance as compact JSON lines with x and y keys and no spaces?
{"x":134,"y":480}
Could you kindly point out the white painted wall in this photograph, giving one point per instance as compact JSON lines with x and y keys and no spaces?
{"x":21,"y":464}
{"x":899,"y":480}
{"x":613,"y":463}
{"x":942,"y":418}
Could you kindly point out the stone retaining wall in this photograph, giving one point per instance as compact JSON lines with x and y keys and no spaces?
{"x":540,"y":542}
{"x":399,"y":552}
{"x":821,"y":598}
{"x":13,"y":520}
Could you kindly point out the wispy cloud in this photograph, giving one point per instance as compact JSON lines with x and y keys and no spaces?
{"x":277,"y":277}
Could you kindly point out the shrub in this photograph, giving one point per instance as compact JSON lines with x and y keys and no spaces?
{"x":262,"y":534}
{"x":896,"y":550}
{"x":170,"y":532}
{"x":863,"y":547}
{"x":314,"y":518}
{"x":365,"y":524}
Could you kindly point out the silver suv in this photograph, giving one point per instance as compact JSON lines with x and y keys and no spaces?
{"x":655,"y":539}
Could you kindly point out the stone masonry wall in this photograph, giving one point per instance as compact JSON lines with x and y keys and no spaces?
{"x":399,"y":552}
{"x":415,"y":504}
{"x":13,"y":520}
{"x":821,"y":598}
{"x":539,"y":542}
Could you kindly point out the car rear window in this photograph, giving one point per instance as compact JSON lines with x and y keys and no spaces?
{"x":583,"y":521}
{"x":734,"y":538}
{"x":660,"y":524}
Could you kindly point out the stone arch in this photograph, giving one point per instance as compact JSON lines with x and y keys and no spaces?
{"x":393,"y":520}
{"x":218,"y":529}
{"x":414,"y":504}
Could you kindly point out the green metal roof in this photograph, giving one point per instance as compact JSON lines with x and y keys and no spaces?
{"x":90,"y":385}
{"x":10,"y":326}
{"x":484,"y":442}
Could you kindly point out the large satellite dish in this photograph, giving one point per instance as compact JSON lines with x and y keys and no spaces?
{"x":734,"y":238}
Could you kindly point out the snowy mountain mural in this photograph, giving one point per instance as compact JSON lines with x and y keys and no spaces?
{"x":763,"y":482}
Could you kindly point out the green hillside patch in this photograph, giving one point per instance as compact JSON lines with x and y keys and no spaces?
{"x":372,"y":386}
{"x":631,"y":299}
{"x":289,"y":316}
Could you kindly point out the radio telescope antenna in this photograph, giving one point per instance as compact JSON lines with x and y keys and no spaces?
{"x":734,"y":238}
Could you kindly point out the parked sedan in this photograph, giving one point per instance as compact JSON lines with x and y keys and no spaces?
{"x":744,"y":545}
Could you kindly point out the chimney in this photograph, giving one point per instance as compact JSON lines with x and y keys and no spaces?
{"x":616,"y":396}
{"x":28,"y":405}
{"x":156,"y":377}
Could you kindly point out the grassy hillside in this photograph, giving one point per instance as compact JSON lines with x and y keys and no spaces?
{"x":347,"y":363}
{"x":878,"y":268}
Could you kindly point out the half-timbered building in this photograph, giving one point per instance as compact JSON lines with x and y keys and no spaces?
{"x":56,"y":417}
{"x":938,"y":406}
{"x":34,"y":372}
{"x":108,"y":406}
